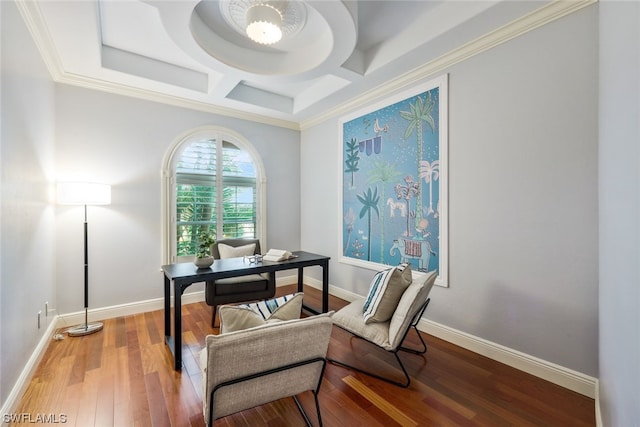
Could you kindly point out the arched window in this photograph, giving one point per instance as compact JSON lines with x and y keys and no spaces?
{"x":213,"y":182}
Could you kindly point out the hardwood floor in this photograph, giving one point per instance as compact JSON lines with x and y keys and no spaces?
{"x":123,"y":376}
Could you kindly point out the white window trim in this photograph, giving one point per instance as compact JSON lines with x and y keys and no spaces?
{"x":168,"y":183}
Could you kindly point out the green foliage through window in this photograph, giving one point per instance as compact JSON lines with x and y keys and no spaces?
{"x":226,"y":212}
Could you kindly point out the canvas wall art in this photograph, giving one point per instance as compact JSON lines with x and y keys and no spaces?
{"x":394,"y":182}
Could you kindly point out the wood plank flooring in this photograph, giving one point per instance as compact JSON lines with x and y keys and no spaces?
{"x":123,"y":376}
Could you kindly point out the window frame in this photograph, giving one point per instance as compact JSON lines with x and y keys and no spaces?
{"x":169,"y":184}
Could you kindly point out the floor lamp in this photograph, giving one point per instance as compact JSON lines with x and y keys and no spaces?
{"x":82,"y":193}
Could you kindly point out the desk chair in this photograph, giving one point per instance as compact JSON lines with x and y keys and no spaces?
{"x":237,"y":289}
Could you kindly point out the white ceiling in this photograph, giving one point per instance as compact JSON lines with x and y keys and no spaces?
{"x":188,"y":52}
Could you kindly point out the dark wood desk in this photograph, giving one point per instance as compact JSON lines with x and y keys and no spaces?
{"x":185,"y":274}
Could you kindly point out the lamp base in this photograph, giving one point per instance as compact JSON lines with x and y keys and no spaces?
{"x":85,"y":329}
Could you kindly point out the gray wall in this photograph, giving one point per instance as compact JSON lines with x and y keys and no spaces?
{"x":619,"y":182}
{"x":54,"y":132}
{"x":122,"y":141}
{"x":522,"y":177}
{"x":523,"y":196}
{"x":27,"y":272}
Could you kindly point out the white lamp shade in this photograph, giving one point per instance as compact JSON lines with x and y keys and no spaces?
{"x":83,"y":193}
{"x":263,"y":24}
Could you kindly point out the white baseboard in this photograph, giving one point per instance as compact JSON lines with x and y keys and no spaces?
{"x":10,"y":404}
{"x":333,"y":290}
{"x":598,"y":412}
{"x":72,"y":319}
{"x":97,"y":314}
{"x":549,"y":371}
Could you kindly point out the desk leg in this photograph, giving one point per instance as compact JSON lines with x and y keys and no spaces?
{"x":167,"y":307}
{"x":177,"y":327}
{"x":272,"y":279}
{"x":325,"y":287}
{"x":300,"y":277}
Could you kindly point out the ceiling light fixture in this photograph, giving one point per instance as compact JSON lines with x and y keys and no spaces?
{"x":263,"y":24}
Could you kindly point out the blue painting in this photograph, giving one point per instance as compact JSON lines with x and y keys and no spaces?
{"x":394,"y":182}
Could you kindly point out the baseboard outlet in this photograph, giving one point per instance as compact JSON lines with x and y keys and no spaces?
{"x":549,"y":371}
{"x":10,"y":404}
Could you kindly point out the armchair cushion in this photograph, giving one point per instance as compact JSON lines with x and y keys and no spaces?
{"x":389,"y":334}
{"x":409,"y":306}
{"x":386,"y":290}
{"x":227,"y":251}
{"x":350,"y":318}
{"x":239,"y":317}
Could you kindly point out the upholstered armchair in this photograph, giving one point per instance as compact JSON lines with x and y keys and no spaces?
{"x":388,"y":334}
{"x":242,"y":288}
{"x":248,"y":368}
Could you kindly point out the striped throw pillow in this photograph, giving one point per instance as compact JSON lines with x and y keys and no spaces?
{"x":271,"y":308}
{"x":244,"y":316}
{"x":386,"y":290}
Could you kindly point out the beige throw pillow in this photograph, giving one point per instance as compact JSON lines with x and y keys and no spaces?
{"x":386,"y":290}
{"x":245,"y":316}
{"x":227,"y":251}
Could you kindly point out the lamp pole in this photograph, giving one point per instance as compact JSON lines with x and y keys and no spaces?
{"x":84,"y":194}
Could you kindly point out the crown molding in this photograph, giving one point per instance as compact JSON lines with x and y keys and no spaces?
{"x":176,"y":101}
{"x":36,"y":25}
{"x":44,"y":43}
{"x":542,"y":16}
{"x":539,"y":17}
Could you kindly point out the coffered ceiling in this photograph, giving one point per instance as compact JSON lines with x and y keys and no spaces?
{"x":195,"y":53}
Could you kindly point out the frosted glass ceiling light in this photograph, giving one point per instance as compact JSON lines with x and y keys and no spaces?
{"x":263,"y":24}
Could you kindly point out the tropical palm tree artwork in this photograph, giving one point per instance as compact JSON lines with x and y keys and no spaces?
{"x":369,"y":200}
{"x":406,"y":192}
{"x":351,"y":162}
{"x":382,"y":172}
{"x":430,"y":172}
{"x":392,"y":178}
{"x":419,"y":112}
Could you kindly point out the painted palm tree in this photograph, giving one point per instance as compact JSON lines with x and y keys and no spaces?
{"x":406,"y":192}
{"x":420,"y":112}
{"x":352,"y":160}
{"x":383,"y":172}
{"x":430,"y":172}
{"x":369,"y":200}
